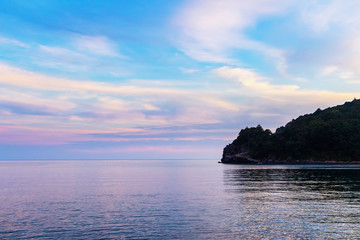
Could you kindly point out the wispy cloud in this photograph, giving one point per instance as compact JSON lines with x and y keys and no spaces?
{"x":132,"y":104}
{"x":188,"y":70}
{"x":211,"y":30}
{"x":33,"y":101}
{"x":4,"y":40}
{"x":286,"y":100}
{"x":80,"y":54}
{"x":64,"y":59}
{"x":335,"y":28}
{"x":251,"y":81}
{"x":99,"y":45}
{"x":112,"y":103}
{"x":228,"y":64}
{"x":322,"y":16}
{"x":336,"y":72}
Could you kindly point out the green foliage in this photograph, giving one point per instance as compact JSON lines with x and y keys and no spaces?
{"x":330,"y":134}
{"x":255,"y":140}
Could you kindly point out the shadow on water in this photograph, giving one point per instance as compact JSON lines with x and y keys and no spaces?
{"x":321,"y":180}
{"x":296,"y":202}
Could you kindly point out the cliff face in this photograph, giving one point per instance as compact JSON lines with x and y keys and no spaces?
{"x":325,"y":136}
{"x":234,"y":154}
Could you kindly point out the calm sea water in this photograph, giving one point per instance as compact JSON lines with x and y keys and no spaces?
{"x":177,"y":200}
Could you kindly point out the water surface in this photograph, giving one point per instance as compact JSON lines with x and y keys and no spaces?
{"x":177,"y":200}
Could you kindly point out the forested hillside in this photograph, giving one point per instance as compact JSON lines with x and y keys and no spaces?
{"x":330,"y":135}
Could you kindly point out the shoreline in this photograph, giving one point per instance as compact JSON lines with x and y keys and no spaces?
{"x":292,"y":163}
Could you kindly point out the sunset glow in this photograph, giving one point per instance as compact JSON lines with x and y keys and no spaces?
{"x":166,"y":79}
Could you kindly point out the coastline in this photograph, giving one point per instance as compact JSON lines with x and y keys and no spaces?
{"x":243,"y":159}
{"x":285,"y":163}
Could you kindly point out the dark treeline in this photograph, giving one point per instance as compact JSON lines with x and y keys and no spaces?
{"x":332,"y":134}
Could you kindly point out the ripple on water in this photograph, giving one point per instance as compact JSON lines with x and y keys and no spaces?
{"x":177,"y":200}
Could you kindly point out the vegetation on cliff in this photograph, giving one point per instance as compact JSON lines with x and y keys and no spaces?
{"x":330,"y":135}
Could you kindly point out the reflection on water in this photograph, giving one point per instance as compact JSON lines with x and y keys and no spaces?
{"x":177,"y":200}
{"x":295,"y":202}
{"x":110,"y":199}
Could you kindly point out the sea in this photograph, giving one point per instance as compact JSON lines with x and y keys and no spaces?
{"x":177,"y":199}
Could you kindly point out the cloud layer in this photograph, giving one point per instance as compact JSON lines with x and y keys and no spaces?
{"x":181,"y":79}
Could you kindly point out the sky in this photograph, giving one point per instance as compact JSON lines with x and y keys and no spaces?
{"x":158,"y":79}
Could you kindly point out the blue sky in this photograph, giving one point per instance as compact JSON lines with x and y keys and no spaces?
{"x":166,"y":79}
